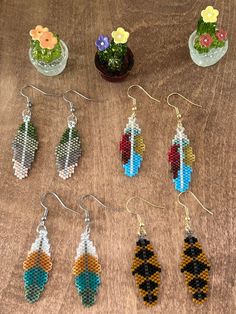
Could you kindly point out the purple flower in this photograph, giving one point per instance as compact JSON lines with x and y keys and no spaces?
{"x":102,"y":42}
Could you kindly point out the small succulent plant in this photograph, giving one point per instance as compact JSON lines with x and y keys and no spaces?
{"x":208,"y":36}
{"x":112,"y":53}
{"x":45,"y":45}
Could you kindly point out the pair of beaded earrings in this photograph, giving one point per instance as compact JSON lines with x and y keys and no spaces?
{"x":25,"y":143}
{"x":181,"y":155}
{"x":146,"y":267}
{"x":87,"y":268}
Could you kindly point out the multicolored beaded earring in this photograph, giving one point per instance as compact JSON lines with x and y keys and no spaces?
{"x":181,"y":156}
{"x":68,"y":150}
{"x":145,"y":268}
{"x":87,"y":269}
{"x":132,"y":145}
{"x":38,"y":262}
{"x":194,"y":264}
{"x":26,"y":142}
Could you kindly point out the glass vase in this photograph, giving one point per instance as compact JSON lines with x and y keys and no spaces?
{"x":53,"y":68}
{"x":205,"y":59}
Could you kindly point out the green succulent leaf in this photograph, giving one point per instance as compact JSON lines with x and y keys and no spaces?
{"x":203,"y":28}
{"x":113,"y":56}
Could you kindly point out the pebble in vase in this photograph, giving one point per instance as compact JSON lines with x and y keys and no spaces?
{"x":48,"y":53}
{"x":208,"y":44}
{"x":114,"y":59}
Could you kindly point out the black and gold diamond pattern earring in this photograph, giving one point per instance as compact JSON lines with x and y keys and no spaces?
{"x":194,"y":264}
{"x":145,"y":268}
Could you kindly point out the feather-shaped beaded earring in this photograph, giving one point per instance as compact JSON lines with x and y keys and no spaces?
{"x":145,"y":268}
{"x":38,"y":262}
{"x":87,"y":268}
{"x":194,"y":264}
{"x":132,"y":144}
{"x":68,"y":151}
{"x":181,"y":156}
{"x":25,"y":143}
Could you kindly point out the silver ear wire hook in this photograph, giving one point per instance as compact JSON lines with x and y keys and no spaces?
{"x":72,"y":108}
{"x":45,"y":214}
{"x":72,"y":119}
{"x":86,"y":211}
{"x":27,"y":111}
{"x":39,"y":90}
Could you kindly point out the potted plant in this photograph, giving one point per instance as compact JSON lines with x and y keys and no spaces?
{"x":48,"y":53}
{"x":113,"y":58}
{"x":208,"y":44}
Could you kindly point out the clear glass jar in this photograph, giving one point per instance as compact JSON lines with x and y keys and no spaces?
{"x":205,"y":59}
{"x":53,"y":68}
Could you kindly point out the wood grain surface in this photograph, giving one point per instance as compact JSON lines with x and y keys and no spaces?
{"x":159,"y":34}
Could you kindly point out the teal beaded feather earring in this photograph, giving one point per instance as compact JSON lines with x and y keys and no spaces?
{"x":87,"y":268}
{"x":38,"y":263}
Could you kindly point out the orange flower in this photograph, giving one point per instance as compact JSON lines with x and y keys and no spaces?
{"x":38,"y":31}
{"x":47,"y":40}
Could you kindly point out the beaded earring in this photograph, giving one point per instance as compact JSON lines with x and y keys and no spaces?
{"x":181,"y":156}
{"x":68,"y":151}
{"x":38,"y":262}
{"x":194,"y":264}
{"x":145,"y":268}
{"x":86,"y":268}
{"x":132,"y":144}
{"x":26,"y":142}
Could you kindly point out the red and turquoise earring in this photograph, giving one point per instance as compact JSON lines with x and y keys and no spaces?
{"x":132,"y":144}
{"x":181,"y":156}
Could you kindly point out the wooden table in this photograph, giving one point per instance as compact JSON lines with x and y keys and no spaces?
{"x":159,"y":32}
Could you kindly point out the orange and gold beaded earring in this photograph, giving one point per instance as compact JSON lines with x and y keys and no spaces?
{"x":38,"y":263}
{"x":145,"y":268}
{"x":194,"y":264}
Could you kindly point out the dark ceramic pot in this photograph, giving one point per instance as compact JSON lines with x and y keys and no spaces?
{"x":114,"y":76}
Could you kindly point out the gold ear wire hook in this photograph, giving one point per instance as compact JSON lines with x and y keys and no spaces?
{"x":178,"y":115}
{"x":134,"y":99}
{"x":142,"y":231}
{"x":187,"y":216}
{"x":70,"y":102}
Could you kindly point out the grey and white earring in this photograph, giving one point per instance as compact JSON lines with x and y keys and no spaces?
{"x":68,"y":150}
{"x":25,"y":142}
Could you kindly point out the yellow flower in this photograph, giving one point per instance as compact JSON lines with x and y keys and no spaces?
{"x":120,"y":36}
{"x":209,"y":15}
